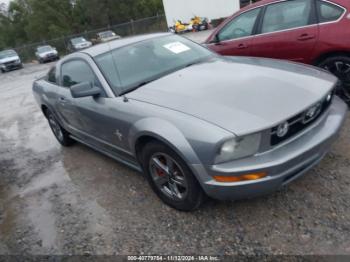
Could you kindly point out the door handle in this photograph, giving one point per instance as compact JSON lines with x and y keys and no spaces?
{"x":305,"y":37}
{"x":242,"y":46}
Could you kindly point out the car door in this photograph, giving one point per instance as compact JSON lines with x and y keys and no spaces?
{"x":95,"y":120}
{"x":288,"y":30}
{"x":236,"y":36}
{"x":74,"y":71}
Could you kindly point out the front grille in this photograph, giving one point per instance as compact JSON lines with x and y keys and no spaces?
{"x":13,"y":63}
{"x":297,"y":123}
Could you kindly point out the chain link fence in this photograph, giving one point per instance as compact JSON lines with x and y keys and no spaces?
{"x":141,"y":26}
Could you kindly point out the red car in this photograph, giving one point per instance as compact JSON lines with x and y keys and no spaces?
{"x":315,"y":32}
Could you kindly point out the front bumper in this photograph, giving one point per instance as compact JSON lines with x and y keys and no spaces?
{"x":77,"y":48}
{"x":50,"y":58}
{"x":283,"y":164}
{"x":11,"y":66}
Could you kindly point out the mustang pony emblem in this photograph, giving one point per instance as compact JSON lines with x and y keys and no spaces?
{"x":119,"y":135}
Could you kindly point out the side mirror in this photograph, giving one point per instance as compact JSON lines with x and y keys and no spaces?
{"x":216,"y":39}
{"x":84,"y":89}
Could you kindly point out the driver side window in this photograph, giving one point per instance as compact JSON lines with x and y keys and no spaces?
{"x":76,"y":72}
{"x":241,"y":26}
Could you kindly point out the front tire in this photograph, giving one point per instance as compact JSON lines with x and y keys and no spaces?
{"x":170,"y":178}
{"x":340,"y":67}
{"x":60,"y":133}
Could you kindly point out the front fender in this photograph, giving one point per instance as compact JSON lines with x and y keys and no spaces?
{"x":166,"y":132}
{"x":170,"y":135}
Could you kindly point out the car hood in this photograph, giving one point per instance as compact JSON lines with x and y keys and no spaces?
{"x":9,"y":59}
{"x":241,"y":95}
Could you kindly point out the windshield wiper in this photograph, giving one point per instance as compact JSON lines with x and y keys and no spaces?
{"x":196,"y":62}
{"x":191,"y":64}
{"x":136,"y":87}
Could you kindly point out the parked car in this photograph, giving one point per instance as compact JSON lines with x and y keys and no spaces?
{"x":315,"y":32}
{"x":78,"y":43}
{"x":195,"y":122}
{"x":46,"y":53}
{"x":107,"y":36}
{"x":9,"y":60}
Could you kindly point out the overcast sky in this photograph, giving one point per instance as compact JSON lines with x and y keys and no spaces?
{"x":4,"y":1}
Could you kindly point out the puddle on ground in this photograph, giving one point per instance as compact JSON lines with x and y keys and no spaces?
{"x":7,"y":217}
{"x":40,"y":137}
{"x":11,"y":132}
{"x":42,"y":218}
{"x":54,"y":176}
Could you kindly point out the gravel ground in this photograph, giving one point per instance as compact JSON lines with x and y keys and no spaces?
{"x":67,"y":201}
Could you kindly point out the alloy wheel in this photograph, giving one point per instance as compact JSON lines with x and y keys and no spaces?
{"x":341,"y":69}
{"x":168,"y":176}
{"x":56,"y":129}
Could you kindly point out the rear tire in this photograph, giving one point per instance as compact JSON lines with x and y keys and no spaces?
{"x":60,"y":133}
{"x":339,"y":66}
{"x":176,"y":187}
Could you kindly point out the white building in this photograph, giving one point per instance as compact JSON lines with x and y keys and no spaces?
{"x":184,"y":10}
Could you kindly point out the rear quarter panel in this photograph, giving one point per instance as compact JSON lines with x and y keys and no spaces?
{"x":334,"y":36}
{"x":45,"y":94}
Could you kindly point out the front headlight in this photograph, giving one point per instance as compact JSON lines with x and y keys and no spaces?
{"x":238,"y":148}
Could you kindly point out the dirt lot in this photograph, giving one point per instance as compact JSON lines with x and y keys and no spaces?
{"x":55,"y":200}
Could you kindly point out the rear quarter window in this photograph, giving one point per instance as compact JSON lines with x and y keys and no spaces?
{"x":51,"y":76}
{"x":328,"y":12}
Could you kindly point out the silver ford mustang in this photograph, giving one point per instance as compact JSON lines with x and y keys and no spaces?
{"x":197,"y":124}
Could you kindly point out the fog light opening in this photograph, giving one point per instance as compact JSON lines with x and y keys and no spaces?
{"x":246,"y":177}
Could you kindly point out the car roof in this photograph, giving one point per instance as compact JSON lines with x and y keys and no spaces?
{"x":259,"y":3}
{"x":107,"y":31}
{"x":105,"y":47}
{"x":265,"y":2}
{"x":6,"y":50}
{"x":77,"y":37}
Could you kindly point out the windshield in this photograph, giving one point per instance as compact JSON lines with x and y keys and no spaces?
{"x":43,"y":49}
{"x":106,"y":34}
{"x":78,"y":40}
{"x":129,"y":67}
{"x":7,"y":53}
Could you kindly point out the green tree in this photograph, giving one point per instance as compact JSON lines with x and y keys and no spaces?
{"x":28,"y":21}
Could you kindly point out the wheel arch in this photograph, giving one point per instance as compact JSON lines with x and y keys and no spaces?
{"x":44,"y":109}
{"x":162,"y":131}
{"x":154,"y":129}
{"x":326,"y":55}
